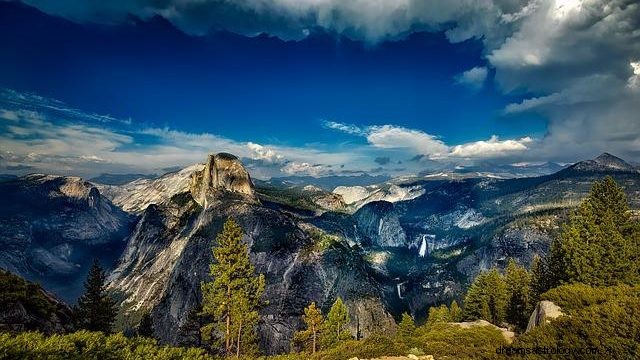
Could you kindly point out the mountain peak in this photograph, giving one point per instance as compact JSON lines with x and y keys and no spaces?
{"x":604,"y":163}
{"x":224,"y":172}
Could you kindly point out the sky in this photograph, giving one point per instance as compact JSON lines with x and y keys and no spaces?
{"x":316,"y":87}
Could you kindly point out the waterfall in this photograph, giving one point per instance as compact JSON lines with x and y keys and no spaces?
{"x":422,"y":252}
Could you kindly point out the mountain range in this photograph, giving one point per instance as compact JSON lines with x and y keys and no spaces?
{"x":399,"y":245}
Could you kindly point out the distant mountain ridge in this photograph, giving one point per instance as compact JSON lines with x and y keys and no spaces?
{"x":604,"y":163}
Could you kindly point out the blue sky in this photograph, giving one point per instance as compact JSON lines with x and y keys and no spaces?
{"x":316,"y":87}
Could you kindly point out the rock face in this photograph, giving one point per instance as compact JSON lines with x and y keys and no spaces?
{"x":169,"y":253}
{"x":26,"y":307}
{"x":544,"y":312}
{"x":380,"y":223}
{"x":222,"y":172}
{"x":51,"y":227}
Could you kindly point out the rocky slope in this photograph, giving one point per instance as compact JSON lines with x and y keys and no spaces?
{"x":169,"y":253}
{"x":25,"y":306}
{"x":51,"y":228}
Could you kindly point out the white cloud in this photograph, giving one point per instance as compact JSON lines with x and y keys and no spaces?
{"x":473,"y":78}
{"x":395,"y":137}
{"x":418,"y":142}
{"x":304,"y":168}
{"x":494,"y":147}
{"x":260,"y":152}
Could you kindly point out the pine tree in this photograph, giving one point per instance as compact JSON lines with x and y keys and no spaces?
{"x":189,"y":331}
{"x":406,"y":329}
{"x":336,"y":324}
{"x":314,"y":321}
{"x":233,"y":297}
{"x":486,"y":298}
{"x":519,"y":305}
{"x":145,"y":328}
{"x":598,"y":245}
{"x":438,"y":314}
{"x":96,"y":310}
{"x":539,"y":279}
{"x":455,"y":313}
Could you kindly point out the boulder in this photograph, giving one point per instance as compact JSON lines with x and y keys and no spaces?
{"x":544,"y":312}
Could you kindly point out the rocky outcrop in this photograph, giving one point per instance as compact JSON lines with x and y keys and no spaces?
{"x":25,"y":306}
{"x":380,"y":223}
{"x":51,"y":227}
{"x":544,"y":312}
{"x":506,"y":333}
{"x":222,"y":172}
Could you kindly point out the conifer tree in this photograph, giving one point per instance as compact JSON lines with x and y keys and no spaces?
{"x":455,"y":312}
{"x":486,"y":298}
{"x":189,"y":331}
{"x":519,"y":305}
{"x":598,"y":246}
{"x":145,"y":328}
{"x":406,"y":329}
{"x":314,"y":321}
{"x":96,"y":310}
{"x":233,"y":297}
{"x":539,"y":279}
{"x":336,"y":324}
{"x":438,"y":314}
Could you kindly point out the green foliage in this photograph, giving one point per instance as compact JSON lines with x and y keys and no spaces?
{"x":96,"y":309}
{"x":599,"y":244}
{"x":14,"y":290}
{"x":575,"y":297}
{"x":487,"y":298}
{"x":455,"y":312}
{"x":233,"y":297}
{"x":370,"y":347}
{"x":451,"y":341}
{"x":406,"y":330}
{"x":519,"y":305}
{"x":90,"y":345}
{"x":335,"y":327}
{"x":189,"y":332}
{"x":438,"y":314}
{"x":145,"y":328}
{"x":611,"y":326}
{"x":307,"y":339}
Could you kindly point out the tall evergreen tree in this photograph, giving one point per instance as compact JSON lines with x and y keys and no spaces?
{"x":598,"y":246}
{"x":455,"y":312}
{"x":486,"y":298}
{"x":233,"y":297}
{"x":314,"y":321}
{"x":189,"y":332}
{"x":96,"y":310}
{"x":539,"y":278}
{"x":406,"y":329}
{"x":145,"y":328}
{"x":336,"y":324}
{"x":438,"y":314}
{"x":519,"y":306}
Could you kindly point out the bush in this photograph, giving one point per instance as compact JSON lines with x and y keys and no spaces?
{"x":577,"y":296}
{"x":613,"y":327}
{"x":451,"y":341}
{"x":90,"y":345}
{"x":371,"y":347}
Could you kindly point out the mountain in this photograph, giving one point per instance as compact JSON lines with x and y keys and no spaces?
{"x":328,"y":182}
{"x":396,"y":246}
{"x":51,"y":227}
{"x":169,"y":252}
{"x":119,"y":179}
{"x":605,"y":163}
